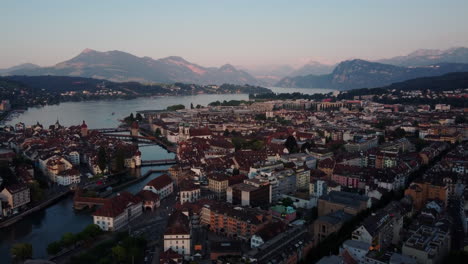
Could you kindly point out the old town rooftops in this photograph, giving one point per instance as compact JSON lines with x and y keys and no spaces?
{"x":117,"y":205}
{"x":160,"y":182}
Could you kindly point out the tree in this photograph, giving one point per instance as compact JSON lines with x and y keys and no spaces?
{"x":54,"y":248}
{"x":102,"y":158}
{"x":287,"y":201}
{"x":157,"y":132}
{"x":22,"y":251}
{"x":226,"y":132}
{"x":68,"y":239}
{"x":191,"y":105}
{"x":307,"y":146}
{"x":92,"y":231}
{"x":120,"y":160}
{"x":291,"y":144}
{"x":199,"y":106}
{"x":139,"y":117}
{"x":175,"y":107}
{"x":381,"y":139}
{"x":37,"y":193}
{"x":399,"y":133}
{"x":460,"y":119}
{"x":119,"y":253}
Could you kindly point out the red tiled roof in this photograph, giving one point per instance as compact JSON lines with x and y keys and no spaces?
{"x":160,"y":182}
{"x":116,"y":205}
{"x":178,"y":224}
{"x":146,"y":195}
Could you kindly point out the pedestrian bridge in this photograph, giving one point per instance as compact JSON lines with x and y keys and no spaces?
{"x":81,"y":202}
{"x":158,"y":162}
{"x":110,"y":130}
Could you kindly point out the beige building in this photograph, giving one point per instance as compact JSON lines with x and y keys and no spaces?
{"x":177,"y":235}
{"x":16,"y":195}
{"x":218,"y":183}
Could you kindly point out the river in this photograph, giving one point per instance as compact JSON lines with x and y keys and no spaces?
{"x":46,"y":226}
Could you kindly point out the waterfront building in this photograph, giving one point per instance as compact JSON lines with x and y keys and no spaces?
{"x":118,"y":211}
{"x":149,"y":199}
{"x":162,"y":185}
{"x":16,"y":195}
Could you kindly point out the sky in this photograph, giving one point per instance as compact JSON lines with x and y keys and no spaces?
{"x":241,"y":32}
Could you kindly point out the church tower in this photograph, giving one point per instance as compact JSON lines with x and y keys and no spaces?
{"x":84,"y":129}
{"x":134,"y":129}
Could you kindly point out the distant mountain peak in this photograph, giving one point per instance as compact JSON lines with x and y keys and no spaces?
{"x":227,"y":67}
{"x":424,"y":57}
{"x":121,"y":67}
{"x":87,"y":50}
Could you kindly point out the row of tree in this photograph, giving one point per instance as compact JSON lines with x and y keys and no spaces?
{"x":87,"y":236}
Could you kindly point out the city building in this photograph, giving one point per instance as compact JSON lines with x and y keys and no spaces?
{"x":351,"y":203}
{"x":231,"y":221}
{"x":16,"y":195}
{"x":177,"y":235}
{"x":218,"y":183}
{"x":382,"y":228}
{"x":162,"y":186}
{"x":327,"y":224}
{"x":428,"y":245}
{"x":251,"y":192}
{"x":118,"y":212}
{"x":188,"y":192}
{"x":420,"y":192}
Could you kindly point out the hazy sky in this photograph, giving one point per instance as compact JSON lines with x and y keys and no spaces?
{"x":211,"y":33}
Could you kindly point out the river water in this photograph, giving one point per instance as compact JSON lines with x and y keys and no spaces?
{"x":46,"y":226}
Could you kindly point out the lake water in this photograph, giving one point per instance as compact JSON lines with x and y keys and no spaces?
{"x":50,"y":224}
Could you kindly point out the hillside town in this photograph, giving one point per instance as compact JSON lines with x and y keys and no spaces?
{"x":265,"y":181}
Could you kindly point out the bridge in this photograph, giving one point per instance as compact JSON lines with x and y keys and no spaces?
{"x":143,"y":139}
{"x":158,"y":162}
{"x":80,"y":202}
{"x":133,"y":138}
{"x":110,"y":130}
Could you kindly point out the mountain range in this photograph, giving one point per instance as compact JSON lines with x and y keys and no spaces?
{"x":24,"y":66}
{"x":364,"y":74}
{"x":425,"y":57}
{"x":121,"y":67}
{"x":271,"y":74}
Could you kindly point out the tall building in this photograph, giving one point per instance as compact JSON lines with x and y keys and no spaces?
{"x":84,"y":129}
{"x":252,"y":192}
{"x":177,"y":236}
{"x":134,"y":128}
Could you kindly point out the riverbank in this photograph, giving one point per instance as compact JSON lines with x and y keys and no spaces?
{"x":36,"y":208}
